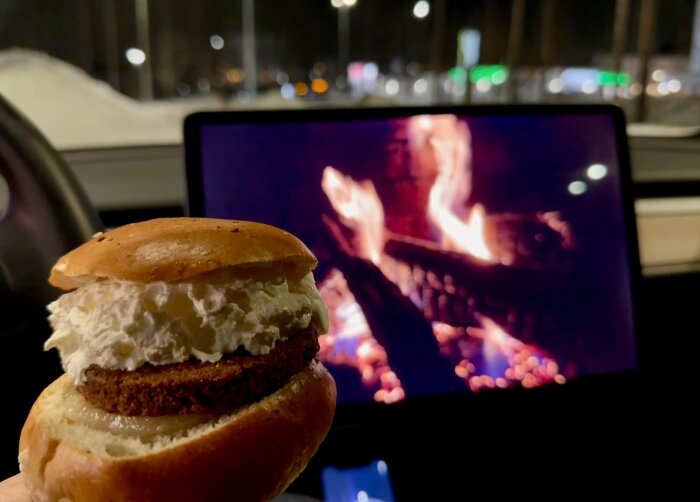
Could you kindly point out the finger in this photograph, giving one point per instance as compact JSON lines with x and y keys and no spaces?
{"x":13,"y":490}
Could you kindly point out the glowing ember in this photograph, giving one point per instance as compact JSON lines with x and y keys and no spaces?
{"x":448,"y":142}
{"x":523,"y":364}
{"x":527,"y":365}
{"x":360,"y":209}
{"x":554,"y":221}
{"x":350,"y":342}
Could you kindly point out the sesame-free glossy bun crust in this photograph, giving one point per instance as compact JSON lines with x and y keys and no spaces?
{"x":174,"y":249}
{"x":254,"y":457}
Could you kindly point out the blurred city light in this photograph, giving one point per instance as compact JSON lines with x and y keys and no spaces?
{"x":301,"y":89}
{"x":216,"y":42}
{"x":391,"y":87}
{"x":555,"y":86}
{"x":498,"y":77}
{"x":281,"y":78}
{"x":658,"y":75}
{"x":235,"y":76}
{"x":483,"y":85}
{"x":135,"y":56}
{"x":319,"y":86}
{"x":458,"y":74}
{"x":607,"y":78}
{"x":421,"y":9}
{"x":420,"y":86}
{"x":580,"y":80}
{"x":597,"y":171}
{"x":635,"y":89}
{"x":356,"y":72}
{"x":624,"y":79}
{"x":577,"y":187}
{"x":589,"y":86}
{"x":343,"y":3}
{"x":495,"y":74}
{"x":287,"y":91}
{"x":370,"y":71}
{"x":674,"y":85}
{"x":613,"y":78}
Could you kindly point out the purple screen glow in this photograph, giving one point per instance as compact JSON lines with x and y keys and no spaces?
{"x":455,"y":253}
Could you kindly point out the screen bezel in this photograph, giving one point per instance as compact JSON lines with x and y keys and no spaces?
{"x":580,"y":390}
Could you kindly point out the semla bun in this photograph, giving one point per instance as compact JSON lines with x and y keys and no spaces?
{"x":251,"y":455}
{"x":73,"y":450}
{"x":173,"y":249}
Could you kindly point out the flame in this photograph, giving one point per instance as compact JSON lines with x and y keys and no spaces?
{"x":360,"y":209}
{"x":447,"y":142}
{"x":553,"y":220}
{"x":464,"y":236}
{"x":496,"y":336}
{"x":442,"y":142}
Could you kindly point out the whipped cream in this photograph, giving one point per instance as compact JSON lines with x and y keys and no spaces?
{"x":124,"y":325}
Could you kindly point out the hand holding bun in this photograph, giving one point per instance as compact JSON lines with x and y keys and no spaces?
{"x":189,"y":347}
{"x":14,"y":490}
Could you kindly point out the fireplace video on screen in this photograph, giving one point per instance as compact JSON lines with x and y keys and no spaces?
{"x":455,"y":253}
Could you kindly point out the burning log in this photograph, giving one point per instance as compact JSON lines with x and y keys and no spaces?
{"x":508,"y":282}
{"x":395,"y":322}
{"x":411,"y":307}
{"x":452,"y":287}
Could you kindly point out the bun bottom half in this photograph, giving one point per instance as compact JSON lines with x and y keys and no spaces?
{"x":252,"y":454}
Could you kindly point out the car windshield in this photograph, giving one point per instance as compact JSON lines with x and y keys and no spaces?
{"x":133,"y":69}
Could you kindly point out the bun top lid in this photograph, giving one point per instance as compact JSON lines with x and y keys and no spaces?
{"x":174,"y":249}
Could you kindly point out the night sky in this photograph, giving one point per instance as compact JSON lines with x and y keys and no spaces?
{"x":294,"y":34}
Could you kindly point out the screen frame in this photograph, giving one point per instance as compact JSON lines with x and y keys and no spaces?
{"x":584,"y":389}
